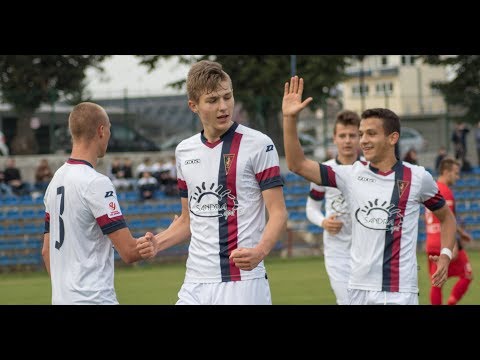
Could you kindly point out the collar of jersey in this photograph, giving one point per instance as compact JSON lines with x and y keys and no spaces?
{"x":78,"y":162}
{"x":212,"y":145}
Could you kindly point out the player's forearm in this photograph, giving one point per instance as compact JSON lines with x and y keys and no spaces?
{"x":177,"y":233}
{"x":314,"y":215}
{"x":293,"y":150}
{"x":46,"y":253}
{"x":448,"y":230}
{"x":275,"y":227}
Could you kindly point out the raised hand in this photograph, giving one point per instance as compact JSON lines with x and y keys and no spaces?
{"x":292,"y":97}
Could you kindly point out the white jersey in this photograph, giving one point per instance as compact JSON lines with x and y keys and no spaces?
{"x":335,"y":204}
{"x":385,"y":209}
{"x":223,"y":182}
{"x":81,"y":209}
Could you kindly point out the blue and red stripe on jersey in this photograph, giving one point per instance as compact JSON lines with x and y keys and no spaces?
{"x":109,"y":225}
{"x":228,"y":227}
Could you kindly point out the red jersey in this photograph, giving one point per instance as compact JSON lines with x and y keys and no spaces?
{"x":432,"y":224}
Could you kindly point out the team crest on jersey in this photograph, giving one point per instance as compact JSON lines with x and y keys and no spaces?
{"x":228,"y":159}
{"x":380,"y":215}
{"x":213,"y":201}
{"x":402,"y":185}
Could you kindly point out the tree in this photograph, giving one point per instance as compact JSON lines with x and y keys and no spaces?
{"x":27,"y":81}
{"x":258,"y":83}
{"x":463,"y":90}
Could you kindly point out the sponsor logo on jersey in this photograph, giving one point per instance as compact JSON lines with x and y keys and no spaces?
{"x":379,"y":215}
{"x":192,"y":161}
{"x":228,"y":159}
{"x":212,"y":201}
{"x":108,"y":194}
{"x":363,"y":178}
{"x":269,"y":148}
{"x":113,"y":212}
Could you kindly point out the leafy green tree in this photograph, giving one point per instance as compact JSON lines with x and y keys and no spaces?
{"x":258,"y":82}
{"x":463,"y":91}
{"x":27,"y":81}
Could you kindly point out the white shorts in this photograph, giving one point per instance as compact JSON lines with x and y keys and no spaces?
{"x":244,"y":292}
{"x":338,"y":270}
{"x":367,"y":297}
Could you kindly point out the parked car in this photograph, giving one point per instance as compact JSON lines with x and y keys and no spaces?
{"x":122,"y":139}
{"x":3,"y":145}
{"x":411,"y":139}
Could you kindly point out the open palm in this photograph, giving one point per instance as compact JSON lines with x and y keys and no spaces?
{"x":292,"y":97}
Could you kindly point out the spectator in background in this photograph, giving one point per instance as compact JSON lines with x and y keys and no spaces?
{"x":337,"y":238}
{"x":442,"y":153}
{"x":477,"y":141}
{"x":146,"y":165}
{"x":117,"y":171}
{"x":411,"y":157}
{"x":43,"y":175}
{"x":459,"y":139}
{"x":449,"y":171}
{"x":147,"y":185}
{"x":4,"y":188}
{"x":13,"y":178}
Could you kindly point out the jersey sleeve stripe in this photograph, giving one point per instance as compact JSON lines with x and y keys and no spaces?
{"x":435,"y":202}
{"x":327,"y":175}
{"x":109,"y":225}
{"x":47,"y":223}
{"x":317,"y":195}
{"x":182,"y":188}
{"x":269,"y":178}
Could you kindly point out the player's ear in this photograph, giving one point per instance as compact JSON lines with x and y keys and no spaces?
{"x":193,"y":106}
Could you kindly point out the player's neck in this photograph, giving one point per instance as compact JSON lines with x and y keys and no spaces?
{"x":80,"y":152}
{"x":386,"y":164}
{"x":443,"y":180}
{"x":346,"y":160}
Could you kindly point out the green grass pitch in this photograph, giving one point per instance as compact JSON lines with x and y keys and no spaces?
{"x":295,"y":281}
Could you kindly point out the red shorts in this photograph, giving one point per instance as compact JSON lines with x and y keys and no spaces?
{"x":458,"y":267}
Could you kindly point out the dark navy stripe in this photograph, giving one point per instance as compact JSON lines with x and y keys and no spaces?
{"x":114,"y":226}
{"x":389,"y":233}
{"x":183,"y":193}
{"x":324,"y":174}
{"x":271,"y":183}
{"x":222,"y":204}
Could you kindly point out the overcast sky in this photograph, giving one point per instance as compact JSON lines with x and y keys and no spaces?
{"x":123,"y":72}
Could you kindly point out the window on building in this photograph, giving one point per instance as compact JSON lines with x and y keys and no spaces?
{"x":356,"y":90}
{"x":382,"y":89}
{"x":408,"y":60}
{"x":384,"y":60}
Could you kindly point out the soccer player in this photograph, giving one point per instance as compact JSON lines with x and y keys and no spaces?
{"x":449,"y":170}
{"x":83,"y":218}
{"x":337,"y":237}
{"x":384,"y":196}
{"x":227,"y":175}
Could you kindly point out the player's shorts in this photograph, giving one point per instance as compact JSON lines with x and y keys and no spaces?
{"x":338,"y":270}
{"x":367,"y":297}
{"x":460,"y":266}
{"x":244,"y":292}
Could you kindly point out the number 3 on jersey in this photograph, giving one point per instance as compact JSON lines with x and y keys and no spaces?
{"x":61,"y":192}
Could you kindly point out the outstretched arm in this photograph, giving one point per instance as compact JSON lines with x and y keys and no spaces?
{"x":177,"y":232}
{"x":292,"y":105}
